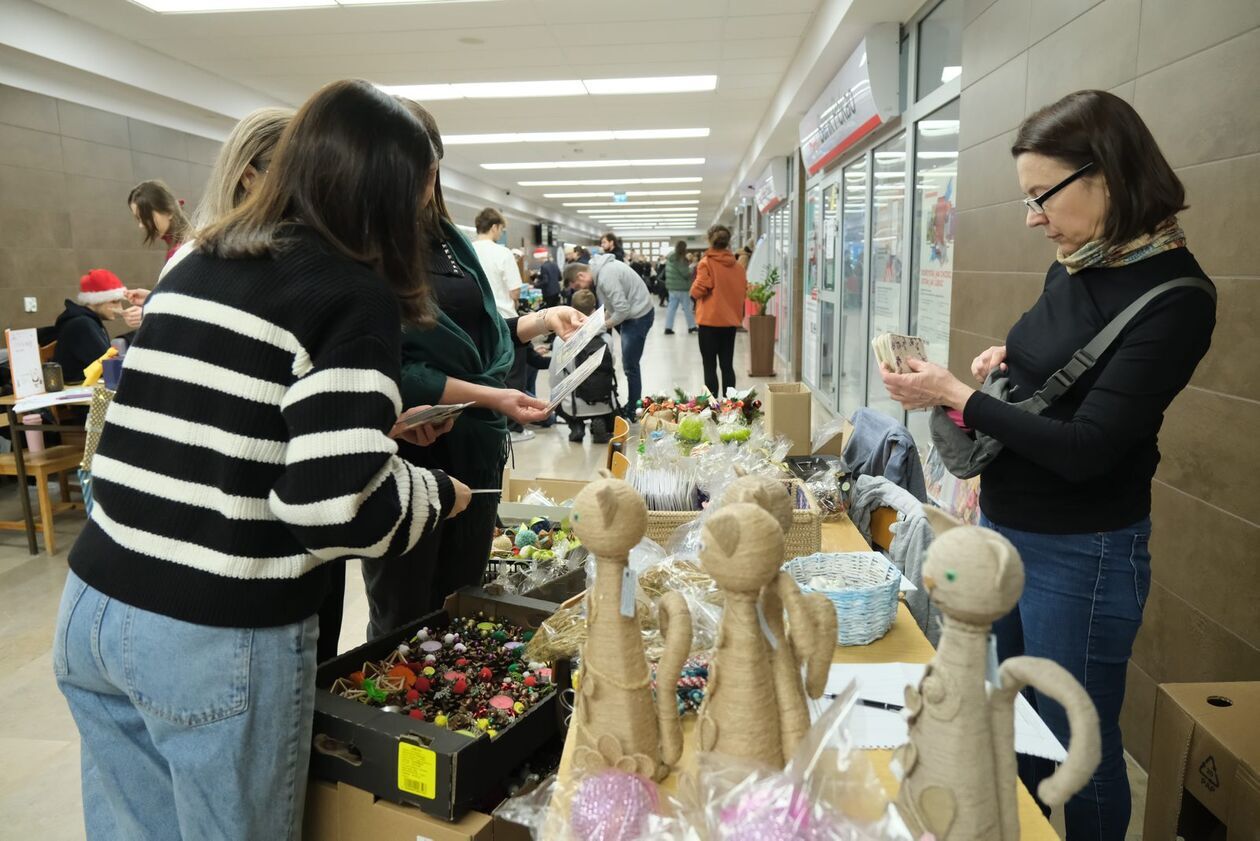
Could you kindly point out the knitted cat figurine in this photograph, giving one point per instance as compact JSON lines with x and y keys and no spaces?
{"x":742,"y":550}
{"x":959,"y":764}
{"x":812,"y":641}
{"x":616,"y":722}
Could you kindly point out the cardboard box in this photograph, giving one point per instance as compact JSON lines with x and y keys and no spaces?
{"x":789,"y":409}
{"x":559,"y":490}
{"x":338,"y":812}
{"x":407,"y":761}
{"x":1205,"y":756}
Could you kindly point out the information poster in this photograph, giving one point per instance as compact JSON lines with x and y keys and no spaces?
{"x":809,"y":341}
{"x":936,"y":271}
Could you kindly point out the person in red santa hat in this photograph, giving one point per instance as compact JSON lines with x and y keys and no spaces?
{"x":81,"y":333}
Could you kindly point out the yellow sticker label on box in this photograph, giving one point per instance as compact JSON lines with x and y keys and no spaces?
{"x":417,"y":770}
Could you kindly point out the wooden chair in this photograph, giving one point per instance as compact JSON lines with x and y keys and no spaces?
{"x":620,"y":465}
{"x":617,"y":444}
{"x":881,"y":528}
{"x":55,"y":461}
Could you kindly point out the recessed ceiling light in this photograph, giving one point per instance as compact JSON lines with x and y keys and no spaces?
{"x":601,"y":164}
{"x":629,"y":204}
{"x":574,"y":136}
{"x":187,"y":7}
{"x":555,"y":87}
{"x":610,"y":182}
{"x":628,"y":193}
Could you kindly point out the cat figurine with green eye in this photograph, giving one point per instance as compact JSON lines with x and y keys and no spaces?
{"x":959,"y":780}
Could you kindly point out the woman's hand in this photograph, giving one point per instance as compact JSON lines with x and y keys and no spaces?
{"x":131,"y":316}
{"x":520,"y":407}
{"x":929,"y":385}
{"x":137,"y":296}
{"x":985,"y":362}
{"x":463,"y":495}
{"x":422,"y":435}
{"x":563,"y":321}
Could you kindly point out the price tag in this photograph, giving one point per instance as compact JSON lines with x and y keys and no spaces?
{"x":629,"y":586}
{"x":417,"y":770}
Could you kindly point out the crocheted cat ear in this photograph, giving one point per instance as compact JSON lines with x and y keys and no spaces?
{"x":608,"y":503}
{"x":939,"y":520}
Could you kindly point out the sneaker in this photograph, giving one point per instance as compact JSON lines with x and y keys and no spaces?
{"x":693,"y":329}
{"x":523,"y":435}
{"x":576,"y":436}
{"x":668,"y":332}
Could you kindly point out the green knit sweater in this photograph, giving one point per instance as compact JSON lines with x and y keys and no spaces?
{"x":431,"y":356}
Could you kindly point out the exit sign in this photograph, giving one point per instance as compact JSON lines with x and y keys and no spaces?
{"x":619,"y":197}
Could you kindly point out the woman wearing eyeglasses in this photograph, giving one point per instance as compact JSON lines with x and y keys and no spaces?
{"x":1071,"y":488}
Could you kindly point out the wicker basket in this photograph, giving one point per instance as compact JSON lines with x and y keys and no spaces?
{"x":803,"y":538}
{"x":867,"y":606}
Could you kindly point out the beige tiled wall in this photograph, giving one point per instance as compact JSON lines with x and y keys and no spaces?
{"x":65,"y":171}
{"x":1191,"y":74}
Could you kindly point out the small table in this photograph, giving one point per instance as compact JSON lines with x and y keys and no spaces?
{"x":904,"y":643}
{"x":17,"y":430}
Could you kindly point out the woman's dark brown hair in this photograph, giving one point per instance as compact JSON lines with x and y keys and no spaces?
{"x":720,"y":237}
{"x":151,"y":197}
{"x":1099,"y":127}
{"x":680,"y":249}
{"x":436,"y":212}
{"x":352,"y":167}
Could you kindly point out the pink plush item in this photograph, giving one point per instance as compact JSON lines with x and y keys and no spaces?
{"x":957,"y":417}
{"x":612,"y":806}
{"x":769,"y":813}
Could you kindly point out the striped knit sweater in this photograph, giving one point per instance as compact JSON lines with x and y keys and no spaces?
{"x":246,"y":448}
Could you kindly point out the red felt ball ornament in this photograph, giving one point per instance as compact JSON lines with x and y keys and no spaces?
{"x":412,"y":696}
{"x":422,"y":684}
{"x":485,"y":674}
{"x":531,"y":681}
{"x":461,"y":662}
{"x":417,"y":714}
{"x":460,"y":687}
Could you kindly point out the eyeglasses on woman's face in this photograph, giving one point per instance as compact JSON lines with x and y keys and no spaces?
{"x":1037,"y":204}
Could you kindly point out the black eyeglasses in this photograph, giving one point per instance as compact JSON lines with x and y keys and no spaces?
{"x":1037,"y":204}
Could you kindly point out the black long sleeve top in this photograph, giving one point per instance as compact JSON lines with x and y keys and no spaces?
{"x":1086,"y":463}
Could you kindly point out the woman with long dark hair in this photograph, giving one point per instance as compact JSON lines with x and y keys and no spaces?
{"x":247,"y":452}
{"x":159,"y":214}
{"x":465,"y":357}
{"x":1071,"y":487}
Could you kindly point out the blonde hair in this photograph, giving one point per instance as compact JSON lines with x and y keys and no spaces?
{"x":253,"y":141}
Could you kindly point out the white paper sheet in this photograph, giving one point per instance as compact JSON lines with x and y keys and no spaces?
{"x":886,"y":683}
{"x":435,"y":414}
{"x":573,"y":345}
{"x":24,"y":365}
{"x":566,"y":386}
{"x":70,"y":396}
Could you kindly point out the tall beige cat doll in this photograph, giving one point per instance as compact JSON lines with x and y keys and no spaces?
{"x":811,"y":643}
{"x":616,"y":722}
{"x":959,"y":764}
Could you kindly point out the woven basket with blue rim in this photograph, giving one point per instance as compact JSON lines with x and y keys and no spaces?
{"x":864,"y":591}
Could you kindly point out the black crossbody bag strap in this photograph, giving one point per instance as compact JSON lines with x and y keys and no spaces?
{"x":1085,"y":358}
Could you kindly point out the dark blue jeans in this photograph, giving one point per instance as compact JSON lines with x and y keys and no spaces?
{"x":634,"y":333}
{"x":1082,"y":607}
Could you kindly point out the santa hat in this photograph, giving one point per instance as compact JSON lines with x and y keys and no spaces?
{"x":99,"y":286}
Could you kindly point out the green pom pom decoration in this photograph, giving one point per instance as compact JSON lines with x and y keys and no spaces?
{"x":690,"y":429}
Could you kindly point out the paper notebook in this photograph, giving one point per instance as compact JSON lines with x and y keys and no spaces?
{"x":886,"y":683}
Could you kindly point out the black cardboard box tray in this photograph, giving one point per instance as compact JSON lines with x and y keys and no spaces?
{"x":1205,"y":762}
{"x":404,"y":760}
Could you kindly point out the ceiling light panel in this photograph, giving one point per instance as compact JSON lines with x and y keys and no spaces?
{"x":628,"y":194}
{"x":612,"y":182}
{"x":629,"y":204}
{"x":596,"y":164}
{"x":546,"y":87}
{"x":187,"y":7}
{"x":573,"y":136}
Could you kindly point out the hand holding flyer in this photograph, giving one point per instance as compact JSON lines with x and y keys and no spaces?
{"x":567,"y":386}
{"x":593,"y":326}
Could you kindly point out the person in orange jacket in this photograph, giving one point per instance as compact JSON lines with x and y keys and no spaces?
{"x":719,"y":291}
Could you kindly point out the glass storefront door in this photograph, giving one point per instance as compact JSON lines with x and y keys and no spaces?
{"x":810,"y":368}
{"x":888,"y":255}
{"x":828,"y":295}
{"x":851,"y":265}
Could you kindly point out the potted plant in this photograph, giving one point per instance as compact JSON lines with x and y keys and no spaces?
{"x":761,"y":327}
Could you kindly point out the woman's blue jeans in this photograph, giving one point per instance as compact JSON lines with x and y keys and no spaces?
{"x":188,"y":731}
{"x":1082,"y":607}
{"x":680,"y":299}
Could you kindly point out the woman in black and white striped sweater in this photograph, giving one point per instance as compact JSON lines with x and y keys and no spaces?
{"x":247,"y":452}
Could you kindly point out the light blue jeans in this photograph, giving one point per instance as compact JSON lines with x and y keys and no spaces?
{"x":188,"y":731}
{"x":679,"y":298}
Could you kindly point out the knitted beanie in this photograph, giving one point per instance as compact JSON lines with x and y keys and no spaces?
{"x":99,"y":286}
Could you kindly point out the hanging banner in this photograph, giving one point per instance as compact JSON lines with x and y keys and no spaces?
{"x":862,"y":96}
{"x":772,"y":186}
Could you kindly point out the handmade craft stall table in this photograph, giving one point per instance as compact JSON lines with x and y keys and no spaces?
{"x":904,"y":643}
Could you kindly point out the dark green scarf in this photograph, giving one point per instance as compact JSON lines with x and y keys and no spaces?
{"x":431,"y":356}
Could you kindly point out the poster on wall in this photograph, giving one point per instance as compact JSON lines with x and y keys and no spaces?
{"x":809,"y":338}
{"x":936,"y":271}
